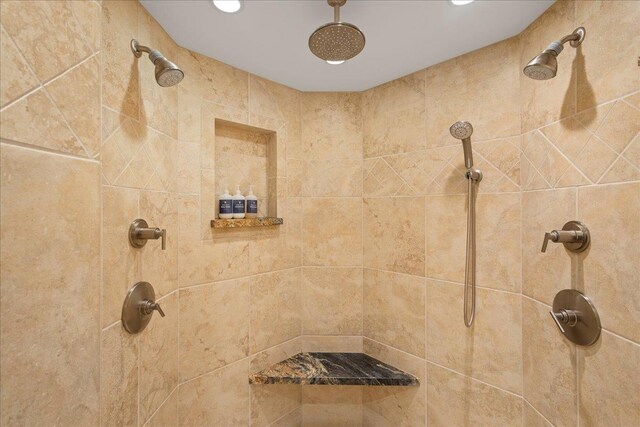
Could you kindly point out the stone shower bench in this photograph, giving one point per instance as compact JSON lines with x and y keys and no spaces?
{"x":333,"y":369}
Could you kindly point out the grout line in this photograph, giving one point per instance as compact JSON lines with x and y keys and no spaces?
{"x":538,"y":412}
{"x":48,"y":150}
{"x":285,"y":415}
{"x":175,"y":389}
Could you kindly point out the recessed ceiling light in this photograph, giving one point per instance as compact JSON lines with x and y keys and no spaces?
{"x":228,"y":6}
{"x":461,"y":2}
{"x":335,"y":62}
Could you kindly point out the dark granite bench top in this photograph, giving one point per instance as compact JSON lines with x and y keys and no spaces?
{"x":333,"y":369}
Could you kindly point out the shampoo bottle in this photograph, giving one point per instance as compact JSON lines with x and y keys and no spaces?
{"x":252,"y":204}
{"x":238,"y":204}
{"x":225,"y":205}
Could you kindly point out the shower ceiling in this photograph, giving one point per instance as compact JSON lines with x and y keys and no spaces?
{"x":269,"y":38}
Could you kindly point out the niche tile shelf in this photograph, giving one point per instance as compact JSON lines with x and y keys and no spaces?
{"x":333,"y":369}
{"x":246,"y":222}
{"x":246,"y":155}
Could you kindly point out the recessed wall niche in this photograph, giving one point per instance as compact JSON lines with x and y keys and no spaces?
{"x":246,"y":156}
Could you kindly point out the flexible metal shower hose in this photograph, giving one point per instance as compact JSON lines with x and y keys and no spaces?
{"x":470,"y":258}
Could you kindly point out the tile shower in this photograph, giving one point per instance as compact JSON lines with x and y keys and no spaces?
{"x":370,"y":257}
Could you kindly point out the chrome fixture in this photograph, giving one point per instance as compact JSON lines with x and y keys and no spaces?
{"x":139,"y":233}
{"x":576,"y":317}
{"x":167,"y":73}
{"x":138,"y":307}
{"x":574,"y":236}
{"x":462,"y":130}
{"x":336,"y":41}
{"x":545,"y":65}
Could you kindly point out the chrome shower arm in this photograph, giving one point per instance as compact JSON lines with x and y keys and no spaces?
{"x":138,"y":49}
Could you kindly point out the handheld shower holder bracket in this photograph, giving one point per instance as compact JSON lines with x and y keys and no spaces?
{"x":474,"y":174}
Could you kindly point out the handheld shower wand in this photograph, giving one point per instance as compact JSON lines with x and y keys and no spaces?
{"x":462,"y":130}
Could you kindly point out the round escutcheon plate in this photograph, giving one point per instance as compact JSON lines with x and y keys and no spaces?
{"x":587,"y":329}
{"x":133,"y":318}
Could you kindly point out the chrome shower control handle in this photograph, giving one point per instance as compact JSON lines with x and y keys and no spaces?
{"x":574,"y":235}
{"x":566,"y":317}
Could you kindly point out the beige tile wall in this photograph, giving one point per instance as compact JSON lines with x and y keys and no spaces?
{"x":91,"y":142}
{"x":371,"y":188}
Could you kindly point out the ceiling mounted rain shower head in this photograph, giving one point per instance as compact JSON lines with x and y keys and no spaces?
{"x":336,"y":41}
{"x":167,"y":73}
{"x":545,"y":65}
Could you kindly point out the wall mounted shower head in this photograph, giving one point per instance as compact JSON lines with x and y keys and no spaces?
{"x":545,"y":65}
{"x":463,"y":130}
{"x":336,"y":41}
{"x":167,"y":73}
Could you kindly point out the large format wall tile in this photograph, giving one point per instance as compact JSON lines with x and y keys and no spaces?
{"x":609,"y":270}
{"x":119,"y":377}
{"x":214,"y":326}
{"x":331,"y":301}
{"x":457,"y":400}
{"x":480,"y":87}
{"x":332,"y":178}
{"x":17,"y":77}
{"x":608,"y":382}
{"x":491,"y":349}
{"x":394,"y":234}
{"x":275,"y":308}
{"x":48,"y":35}
{"x":331,"y":125}
{"x":50,"y":291}
{"x":394,"y":308}
{"x":332,"y":231}
{"x":549,"y":362}
{"x":159,"y":357}
{"x":167,"y":414}
{"x":332,"y":406}
{"x":403,"y":406}
{"x":607,"y":65}
{"x":220,"y":398}
{"x":546,"y":273}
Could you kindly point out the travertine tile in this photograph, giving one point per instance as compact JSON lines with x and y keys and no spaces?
{"x":396,"y":95}
{"x":332,"y":406}
{"x":394,"y":310}
{"x":457,"y":400}
{"x":41,"y":357}
{"x":381,"y":180}
{"x":160,"y":267}
{"x":608,"y":271}
{"x":403,"y":406}
{"x":595,"y":158}
{"x":331,"y":301}
{"x":275,"y":308}
{"x":393,"y":132}
{"x":159,"y":357}
{"x":47,"y":34}
{"x":331,"y":125}
{"x":491,"y":349}
{"x":632,"y":153}
{"x":35,"y":120}
{"x":120,"y":75}
{"x":544,"y":274}
{"x":272,"y":401}
{"x":603,"y":65}
{"x":88,"y":14}
{"x":214,"y":326}
{"x":271,"y":99}
{"x":219,"y":398}
{"x":394,"y":234}
{"x":544,"y":157}
{"x":17,"y":77}
{"x":543,"y":102}
{"x":189,"y":114}
{"x":188,"y":168}
{"x":119,"y":377}
{"x":620,"y":126}
{"x":480,"y":87}
{"x":77,"y":95}
{"x":330,"y":343}
{"x":532,"y":418}
{"x":167,"y":414}
{"x":292,"y":419}
{"x":549,"y":362}
{"x":121,"y":263}
{"x":608,"y":382}
{"x":332,"y":231}
{"x":498,"y":259}
{"x":332,"y":178}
